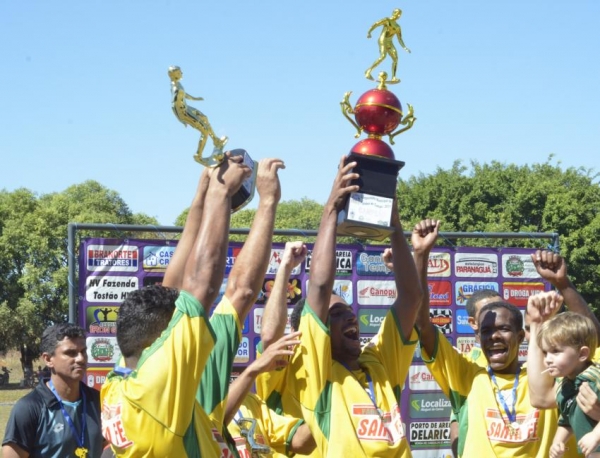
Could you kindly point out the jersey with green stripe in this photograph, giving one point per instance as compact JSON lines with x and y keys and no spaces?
{"x":273,"y":430}
{"x":151,"y":411}
{"x":335,"y":403}
{"x":484,"y":427}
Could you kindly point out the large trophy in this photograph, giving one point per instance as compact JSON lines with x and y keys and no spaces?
{"x":377,"y":112}
{"x":190,"y":116}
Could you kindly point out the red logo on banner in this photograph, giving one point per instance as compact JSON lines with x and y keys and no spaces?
{"x":440,"y":292}
{"x":518,"y":293}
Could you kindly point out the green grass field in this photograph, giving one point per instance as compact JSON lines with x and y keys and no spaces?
{"x":11,"y":393}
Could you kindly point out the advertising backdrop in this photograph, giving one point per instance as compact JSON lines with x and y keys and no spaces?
{"x":109,"y":269}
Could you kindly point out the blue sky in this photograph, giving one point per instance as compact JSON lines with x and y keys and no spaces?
{"x":84,"y":90}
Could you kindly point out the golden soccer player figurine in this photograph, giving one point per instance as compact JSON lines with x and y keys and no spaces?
{"x":190,"y":116}
{"x":390,"y":29}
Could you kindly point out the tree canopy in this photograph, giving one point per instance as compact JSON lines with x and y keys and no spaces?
{"x":34,"y":256}
{"x":499,"y":197}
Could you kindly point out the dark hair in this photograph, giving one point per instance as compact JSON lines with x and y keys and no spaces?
{"x":297,"y":314}
{"x":56,"y":333}
{"x":143,"y":315}
{"x":517,"y":317}
{"x":478,"y":296}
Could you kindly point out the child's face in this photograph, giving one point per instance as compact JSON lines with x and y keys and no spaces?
{"x":564,"y":361}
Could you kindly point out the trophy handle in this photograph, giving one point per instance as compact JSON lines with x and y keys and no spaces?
{"x":347,"y":110}
{"x":407,"y":121}
{"x":248,"y":430}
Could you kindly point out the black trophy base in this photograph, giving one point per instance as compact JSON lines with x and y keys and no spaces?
{"x":246,"y":192}
{"x":368,"y":213}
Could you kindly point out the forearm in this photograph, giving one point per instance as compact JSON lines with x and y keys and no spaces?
{"x":322,"y":266}
{"x":174,"y":274}
{"x":426,"y":327}
{"x":206,"y":263}
{"x":409,"y":288}
{"x":246,"y":278}
{"x":275,"y":313}
{"x":238,"y":390}
{"x":562,"y":435}
{"x":541,"y":386}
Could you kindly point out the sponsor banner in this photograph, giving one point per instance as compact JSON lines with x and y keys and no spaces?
{"x":108,"y":288}
{"x":157,"y":258}
{"x":373,"y":292}
{"x":246,"y":326}
{"x":232,"y":254}
{"x":429,"y":405}
{"x":112,"y":258}
{"x":95,"y":376}
{"x":343,"y":288}
{"x":476,"y":265}
{"x":465,"y":344}
{"x":463,"y":290}
{"x":420,"y":379}
{"x":102,"y":350}
{"x":428,"y":433}
{"x":293,"y":295}
{"x":364,"y":340}
{"x":440,"y":292}
{"x":462,"y":322}
{"x":369,"y":320}
{"x":243,"y":354}
{"x":523,"y":348}
{"x":343,"y":262}
{"x":517,"y":293}
{"x":101,"y":320}
{"x":438,"y":265}
{"x":275,"y":262}
{"x":371,"y":263}
{"x":518,"y":266}
{"x":257,"y":319}
{"x":433,"y":453}
{"x":417,"y":354}
{"x":442,"y":318}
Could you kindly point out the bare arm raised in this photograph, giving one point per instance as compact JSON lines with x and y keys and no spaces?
{"x":322,"y":271}
{"x":246,"y":277}
{"x":409,"y":290}
{"x":540,"y":307}
{"x":423,"y":239}
{"x":205,"y":266}
{"x":275,"y":313}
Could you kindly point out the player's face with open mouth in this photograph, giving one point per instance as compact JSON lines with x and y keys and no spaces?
{"x":500,"y":339}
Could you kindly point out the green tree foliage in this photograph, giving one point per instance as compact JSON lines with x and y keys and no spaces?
{"x":498,"y":197}
{"x":34,"y":255}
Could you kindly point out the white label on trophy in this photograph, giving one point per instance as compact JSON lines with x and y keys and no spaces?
{"x":371,"y":209}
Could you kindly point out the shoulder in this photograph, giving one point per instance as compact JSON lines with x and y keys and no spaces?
{"x":30,"y":406}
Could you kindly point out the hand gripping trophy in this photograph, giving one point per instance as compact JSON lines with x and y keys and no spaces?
{"x":377,"y":112}
{"x":190,"y":116}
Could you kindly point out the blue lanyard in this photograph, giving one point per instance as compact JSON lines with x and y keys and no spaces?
{"x":370,"y":391}
{"x":510,"y":413}
{"x":79,"y":438}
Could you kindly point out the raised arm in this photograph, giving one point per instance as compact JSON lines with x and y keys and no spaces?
{"x":275,"y":314}
{"x":409,"y":290}
{"x":540,"y":307}
{"x":322,"y":270}
{"x":205,"y":265}
{"x":552,"y":267}
{"x":174,"y":274}
{"x":276,"y":356}
{"x":246,"y":277}
{"x":423,"y":239}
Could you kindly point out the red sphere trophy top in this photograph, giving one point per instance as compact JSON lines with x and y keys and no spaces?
{"x":378,"y":112}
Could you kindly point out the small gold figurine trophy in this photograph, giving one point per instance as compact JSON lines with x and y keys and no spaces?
{"x":377,"y":112}
{"x":190,"y":116}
